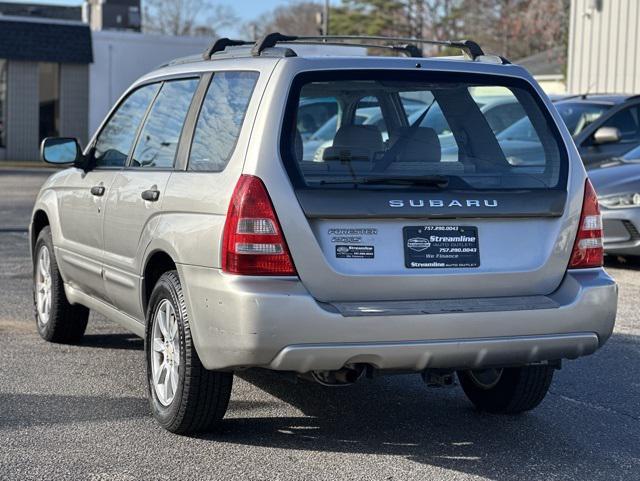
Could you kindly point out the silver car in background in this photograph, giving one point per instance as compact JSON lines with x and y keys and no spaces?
{"x":196,"y":219}
{"x":617,"y":183}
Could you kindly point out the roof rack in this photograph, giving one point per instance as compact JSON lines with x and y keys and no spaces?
{"x":408,"y":45}
{"x":221,"y":44}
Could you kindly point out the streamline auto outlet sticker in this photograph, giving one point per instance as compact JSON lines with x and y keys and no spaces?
{"x":354,"y":243}
{"x":355,"y":252}
{"x":436,"y":246}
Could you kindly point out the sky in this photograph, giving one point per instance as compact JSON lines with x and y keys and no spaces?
{"x":245,"y":9}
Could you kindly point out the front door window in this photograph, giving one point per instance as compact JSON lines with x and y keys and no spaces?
{"x":116,"y":138}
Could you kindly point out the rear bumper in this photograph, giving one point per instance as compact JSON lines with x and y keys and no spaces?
{"x":454,"y":353}
{"x":275,"y":323}
{"x":622,"y":231}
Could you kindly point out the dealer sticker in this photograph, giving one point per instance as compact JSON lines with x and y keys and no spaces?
{"x":354,"y":252}
{"x":434,"y":246}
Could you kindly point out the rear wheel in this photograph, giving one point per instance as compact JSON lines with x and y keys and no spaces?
{"x":507,"y":390}
{"x":185,"y":397}
{"x":57,"y":320}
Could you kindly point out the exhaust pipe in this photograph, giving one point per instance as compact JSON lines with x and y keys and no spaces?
{"x":438,"y":378}
{"x":348,"y":376}
{"x":342,"y":377}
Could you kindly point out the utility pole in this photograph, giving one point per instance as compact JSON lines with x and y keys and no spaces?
{"x":325,"y":18}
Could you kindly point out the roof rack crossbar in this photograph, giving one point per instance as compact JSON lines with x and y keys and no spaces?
{"x":471,"y":48}
{"x":408,"y":49}
{"x":220,"y":44}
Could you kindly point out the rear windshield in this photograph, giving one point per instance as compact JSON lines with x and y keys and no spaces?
{"x":441,"y":130}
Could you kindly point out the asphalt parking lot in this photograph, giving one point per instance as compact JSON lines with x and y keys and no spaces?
{"x":80,"y":412}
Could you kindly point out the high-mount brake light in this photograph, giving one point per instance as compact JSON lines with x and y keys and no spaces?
{"x":253,"y":243}
{"x":587,"y":249}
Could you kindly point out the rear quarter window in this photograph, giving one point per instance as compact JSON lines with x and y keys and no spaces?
{"x":220,"y":120}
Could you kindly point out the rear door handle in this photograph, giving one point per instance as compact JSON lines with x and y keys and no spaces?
{"x":151,"y":195}
{"x":97,"y":190}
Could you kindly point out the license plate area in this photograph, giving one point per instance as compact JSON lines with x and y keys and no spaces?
{"x":441,"y":246}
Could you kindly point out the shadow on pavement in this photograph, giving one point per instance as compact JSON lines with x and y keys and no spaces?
{"x":113,"y":341}
{"x":399,"y":416}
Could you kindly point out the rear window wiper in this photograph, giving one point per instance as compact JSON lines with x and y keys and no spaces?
{"x":427,"y":180}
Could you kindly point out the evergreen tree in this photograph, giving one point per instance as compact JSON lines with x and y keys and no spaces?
{"x":370,"y":17}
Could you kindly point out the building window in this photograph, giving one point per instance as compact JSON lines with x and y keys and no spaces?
{"x":49,"y":88}
{"x":3,"y":101}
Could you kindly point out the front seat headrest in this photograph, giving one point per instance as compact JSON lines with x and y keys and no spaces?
{"x":418,"y":144}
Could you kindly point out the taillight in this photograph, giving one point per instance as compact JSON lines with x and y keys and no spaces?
{"x":253,"y":243}
{"x":587,"y":250}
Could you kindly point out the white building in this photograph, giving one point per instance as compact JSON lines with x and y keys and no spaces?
{"x":120,"y":57}
{"x":604,"y":46}
{"x":58,"y":77}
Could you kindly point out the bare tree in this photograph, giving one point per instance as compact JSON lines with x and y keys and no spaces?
{"x":517,"y":28}
{"x":514,"y":28}
{"x":186,"y":17}
{"x":436,"y":20}
{"x":547,"y":24}
{"x":301,"y":18}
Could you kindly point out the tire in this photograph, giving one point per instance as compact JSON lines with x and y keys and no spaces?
{"x":513,"y":391}
{"x":56,"y":319}
{"x":197,"y":400}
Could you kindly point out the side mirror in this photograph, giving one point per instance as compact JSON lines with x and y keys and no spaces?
{"x":606,"y":135}
{"x":61,"y":150}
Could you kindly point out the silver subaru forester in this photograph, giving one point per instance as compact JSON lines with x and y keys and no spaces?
{"x":326,"y":216}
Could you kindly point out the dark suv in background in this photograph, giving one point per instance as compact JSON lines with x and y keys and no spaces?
{"x":603,"y":126}
{"x":606,"y":125}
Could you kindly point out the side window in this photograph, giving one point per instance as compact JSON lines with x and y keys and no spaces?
{"x":220,"y":120}
{"x":116,"y":138}
{"x":326,"y":131}
{"x":502,"y":116}
{"x":628,"y":123}
{"x":314,"y":113}
{"x":368,"y":112}
{"x":160,"y":135}
{"x":416,"y":103}
{"x":311,"y":140}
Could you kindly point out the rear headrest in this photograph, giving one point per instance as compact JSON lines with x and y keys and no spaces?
{"x":420,"y":144}
{"x":358,"y":142}
{"x":359,"y":137}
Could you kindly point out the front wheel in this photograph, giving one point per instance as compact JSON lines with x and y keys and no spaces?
{"x":185,"y":397}
{"x":507,"y":390}
{"x":56,"y":319}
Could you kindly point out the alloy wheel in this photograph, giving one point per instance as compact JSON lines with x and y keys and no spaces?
{"x":165,"y":356}
{"x":43,"y":285}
